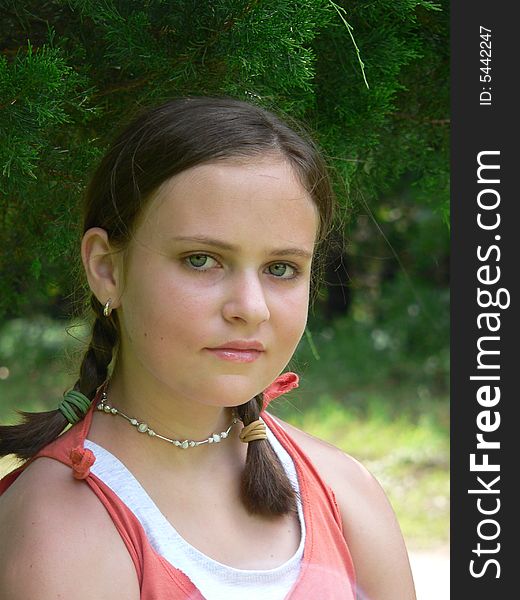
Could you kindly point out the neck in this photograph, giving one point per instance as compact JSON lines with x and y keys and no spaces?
{"x":171,"y":417}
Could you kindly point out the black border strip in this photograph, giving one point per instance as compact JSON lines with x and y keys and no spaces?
{"x":485,"y":252}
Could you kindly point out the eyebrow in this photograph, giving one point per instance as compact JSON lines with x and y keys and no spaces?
{"x":225,"y":246}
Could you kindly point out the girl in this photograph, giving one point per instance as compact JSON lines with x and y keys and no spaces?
{"x":204,"y":227}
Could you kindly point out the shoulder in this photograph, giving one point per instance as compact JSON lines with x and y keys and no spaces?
{"x":58,"y":539}
{"x":370,"y":526}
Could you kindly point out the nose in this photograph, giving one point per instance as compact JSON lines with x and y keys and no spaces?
{"x":246,"y":300}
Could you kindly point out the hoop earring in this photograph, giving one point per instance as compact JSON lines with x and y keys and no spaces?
{"x":107,"y":310}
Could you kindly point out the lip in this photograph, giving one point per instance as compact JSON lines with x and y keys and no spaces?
{"x":234,"y":355}
{"x":242,"y":351}
{"x":241,"y":345}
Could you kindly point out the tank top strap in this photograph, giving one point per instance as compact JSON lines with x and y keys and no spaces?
{"x":281,"y":385}
{"x":69,"y":447}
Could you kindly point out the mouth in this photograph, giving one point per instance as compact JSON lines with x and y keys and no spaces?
{"x":235,"y":355}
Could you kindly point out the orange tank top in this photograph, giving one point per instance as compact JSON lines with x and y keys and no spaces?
{"x":326,"y":571}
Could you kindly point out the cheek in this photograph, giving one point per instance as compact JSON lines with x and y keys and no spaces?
{"x":176,"y":309}
{"x":187,"y":305}
{"x":168,"y":290}
{"x":290,"y":312}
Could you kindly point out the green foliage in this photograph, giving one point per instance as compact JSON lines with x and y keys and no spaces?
{"x":72,"y":71}
{"x":399,"y":125}
{"x":37,"y":94}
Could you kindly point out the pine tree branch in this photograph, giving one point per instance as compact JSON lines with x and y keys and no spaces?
{"x":186,"y":58}
{"x":350,"y":29}
{"x":409,"y":117}
{"x":230,"y":24}
{"x":122,"y":87}
{"x":6,"y":104}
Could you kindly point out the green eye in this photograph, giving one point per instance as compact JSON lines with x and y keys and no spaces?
{"x":198,"y":260}
{"x":281,"y":269}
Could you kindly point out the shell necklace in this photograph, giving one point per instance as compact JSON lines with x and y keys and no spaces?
{"x":142,"y":427}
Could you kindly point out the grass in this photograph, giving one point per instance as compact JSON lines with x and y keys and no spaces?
{"x":388,"y":409}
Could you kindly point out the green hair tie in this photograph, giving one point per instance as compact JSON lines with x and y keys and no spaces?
{"x":70,"y":399}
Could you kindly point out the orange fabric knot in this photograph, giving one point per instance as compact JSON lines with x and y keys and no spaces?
{"x":281,"y":385}
{"x":82,"y":459}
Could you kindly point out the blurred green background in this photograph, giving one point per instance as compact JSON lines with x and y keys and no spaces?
{"x":370,"y":82}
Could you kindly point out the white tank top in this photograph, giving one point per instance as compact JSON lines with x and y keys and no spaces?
{"x":215,"y":580}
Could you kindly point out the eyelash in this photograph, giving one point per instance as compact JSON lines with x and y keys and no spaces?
{"x":190,"y":266}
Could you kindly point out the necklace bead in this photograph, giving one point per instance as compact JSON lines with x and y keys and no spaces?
{"x":143,"y":427}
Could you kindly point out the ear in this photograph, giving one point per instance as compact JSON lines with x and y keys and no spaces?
{"x":102,"y":266}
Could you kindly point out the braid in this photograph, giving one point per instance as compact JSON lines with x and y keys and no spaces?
{"x":40,"y":428}
{"x":94,"y":367}
{"x":265,"y":488}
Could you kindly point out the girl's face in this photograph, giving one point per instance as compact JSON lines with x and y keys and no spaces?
{"x":223,"y":252}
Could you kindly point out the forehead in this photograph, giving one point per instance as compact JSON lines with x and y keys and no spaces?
{"x":260,"y":199}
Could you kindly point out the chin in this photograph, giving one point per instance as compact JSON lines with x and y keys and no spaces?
{"x":231,"y":395}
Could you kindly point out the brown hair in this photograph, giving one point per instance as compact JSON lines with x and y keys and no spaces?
{"x":157,"y":145}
